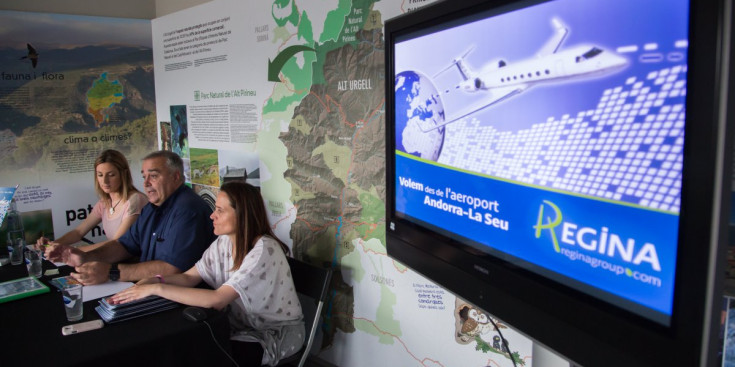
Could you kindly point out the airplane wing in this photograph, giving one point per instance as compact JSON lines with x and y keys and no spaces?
{"x":553,"y":44}
{"x":498,"y":96}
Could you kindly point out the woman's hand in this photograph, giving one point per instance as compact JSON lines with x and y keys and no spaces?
{"x":151,"y":280}
{"x":41,"y":243}
{"x":133,"y":293}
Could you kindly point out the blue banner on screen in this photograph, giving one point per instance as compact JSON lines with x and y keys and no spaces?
{"x":619,"y":248}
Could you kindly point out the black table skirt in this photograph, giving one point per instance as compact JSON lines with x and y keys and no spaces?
{"x":30,"y":334}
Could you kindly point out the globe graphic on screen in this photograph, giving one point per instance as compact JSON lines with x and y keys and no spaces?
{"x":418,"y":104}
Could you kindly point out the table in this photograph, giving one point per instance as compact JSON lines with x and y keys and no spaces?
{"x":30,"y":334}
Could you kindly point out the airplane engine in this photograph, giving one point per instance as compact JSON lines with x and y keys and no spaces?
{"x":479,"y":84}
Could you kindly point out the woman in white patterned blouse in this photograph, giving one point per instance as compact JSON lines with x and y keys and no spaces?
{"x":247,"y":268}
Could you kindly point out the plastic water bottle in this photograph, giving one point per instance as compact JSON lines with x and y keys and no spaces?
{"x":16,"y":234}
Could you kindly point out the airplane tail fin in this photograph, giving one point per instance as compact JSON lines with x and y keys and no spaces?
{"x":552,"y":45}
{"x":461,"y":65}
{"x":465,"y":70}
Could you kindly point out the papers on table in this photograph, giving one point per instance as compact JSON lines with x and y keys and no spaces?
{"x":92,"y":292}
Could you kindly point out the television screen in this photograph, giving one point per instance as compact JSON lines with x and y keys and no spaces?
{"x":558,"y":146}
{"x":548,"y":137}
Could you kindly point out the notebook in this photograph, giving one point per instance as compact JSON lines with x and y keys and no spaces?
{"x":142,"y":307}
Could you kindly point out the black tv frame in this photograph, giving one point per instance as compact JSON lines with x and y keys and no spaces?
{"x":583,"y":329}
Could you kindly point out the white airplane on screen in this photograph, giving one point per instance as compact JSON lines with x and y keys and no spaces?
{"x":502,"y":80}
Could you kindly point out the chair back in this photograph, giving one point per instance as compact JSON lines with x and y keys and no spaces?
{"x":312,"y":285}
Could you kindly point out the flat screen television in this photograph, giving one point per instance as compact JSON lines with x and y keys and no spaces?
{"x":561,"y":165}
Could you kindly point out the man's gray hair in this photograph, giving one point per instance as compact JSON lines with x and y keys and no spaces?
{"x":173,"y":161}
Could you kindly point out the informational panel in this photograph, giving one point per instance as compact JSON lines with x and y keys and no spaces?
{"x":70,"y":87}
{"x":290,"y":97}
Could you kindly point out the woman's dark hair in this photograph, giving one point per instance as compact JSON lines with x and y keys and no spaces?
{"x":252,"y":219}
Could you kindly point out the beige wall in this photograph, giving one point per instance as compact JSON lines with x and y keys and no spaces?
{"x":142,"y":9}
{"x":164,"y":7}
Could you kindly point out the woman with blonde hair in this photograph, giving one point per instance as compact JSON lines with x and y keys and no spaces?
{"x":119,"y":204}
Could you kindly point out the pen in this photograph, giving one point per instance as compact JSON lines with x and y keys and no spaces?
{"x":45,"y":244}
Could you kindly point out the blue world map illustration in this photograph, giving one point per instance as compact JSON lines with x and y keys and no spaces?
{"x":417,"y":100}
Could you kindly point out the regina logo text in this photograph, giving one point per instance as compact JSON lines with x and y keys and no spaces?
{"x":593,"y":241}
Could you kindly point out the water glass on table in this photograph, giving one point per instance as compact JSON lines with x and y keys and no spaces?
{"x":33,"y":262}
{"x":72,"y":296}
{"x":16,"y":254}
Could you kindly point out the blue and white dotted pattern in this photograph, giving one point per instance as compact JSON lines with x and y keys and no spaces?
{"x":628,"y":149}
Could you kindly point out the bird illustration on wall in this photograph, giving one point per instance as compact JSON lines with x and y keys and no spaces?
{"x":32,"y":55}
